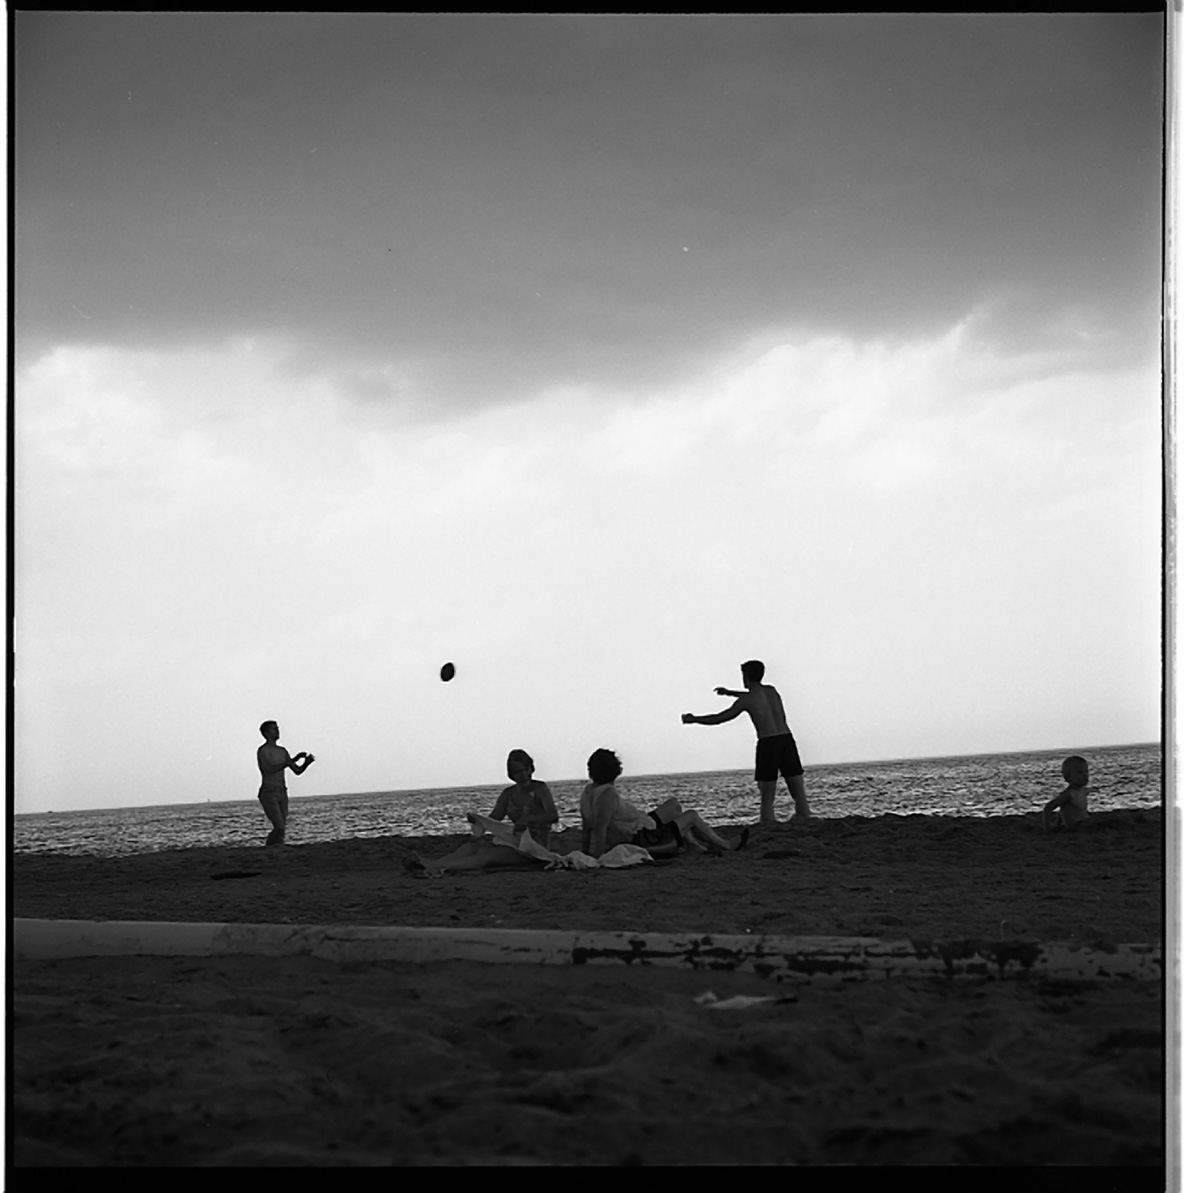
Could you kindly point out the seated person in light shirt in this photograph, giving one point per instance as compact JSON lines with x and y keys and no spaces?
{"x":608,"y":820}
{"x":530,"y":806}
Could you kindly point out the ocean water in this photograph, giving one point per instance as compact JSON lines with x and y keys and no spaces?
{"x":973,"y":785}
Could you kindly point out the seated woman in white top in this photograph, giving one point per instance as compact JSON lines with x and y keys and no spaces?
{"x":530,"y":806}
{"x":607,"y":820}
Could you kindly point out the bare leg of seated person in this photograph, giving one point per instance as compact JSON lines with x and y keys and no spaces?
{"x":475,"y":855}
{"x":468,"y":849}
{"x":690,"y":822}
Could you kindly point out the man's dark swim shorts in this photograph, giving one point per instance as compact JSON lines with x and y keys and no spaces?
{"x":777,"y":755}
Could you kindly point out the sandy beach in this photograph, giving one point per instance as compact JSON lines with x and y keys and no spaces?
{"x":295,"y":1060}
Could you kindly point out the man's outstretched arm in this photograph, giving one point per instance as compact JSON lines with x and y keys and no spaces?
{"x":715,"y":718}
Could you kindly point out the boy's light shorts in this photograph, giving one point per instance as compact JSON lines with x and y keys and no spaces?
{"x":274,"y":801}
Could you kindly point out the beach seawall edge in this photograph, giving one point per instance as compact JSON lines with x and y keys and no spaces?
{"x":782,"y":958}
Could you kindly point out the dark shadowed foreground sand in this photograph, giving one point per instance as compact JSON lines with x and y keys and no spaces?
{"x":241,"y":1060}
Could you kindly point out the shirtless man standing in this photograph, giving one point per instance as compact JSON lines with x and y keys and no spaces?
{"x":776,"y":751}
{"x":273,"y":760}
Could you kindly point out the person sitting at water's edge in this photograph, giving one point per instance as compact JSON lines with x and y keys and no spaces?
{"x":607,"y":819}
{"x":273,"y":760}
{"x":1071,"y":808}
{"x":530,"y":806}
{"x":776,"y":750}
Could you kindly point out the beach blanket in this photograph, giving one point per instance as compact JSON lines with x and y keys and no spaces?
{"x":503,"y":834}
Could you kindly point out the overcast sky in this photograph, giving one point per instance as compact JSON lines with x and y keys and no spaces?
{"x":595,"y":354}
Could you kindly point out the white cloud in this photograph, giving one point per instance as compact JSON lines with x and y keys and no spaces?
{"x":204,"y":539}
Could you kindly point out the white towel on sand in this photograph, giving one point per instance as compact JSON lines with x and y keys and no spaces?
{"x":613,"y":859}
{"x":503,"y":834}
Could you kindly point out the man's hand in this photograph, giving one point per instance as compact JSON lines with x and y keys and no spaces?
{"x":309,"y":760}
{"x":688,"y":718}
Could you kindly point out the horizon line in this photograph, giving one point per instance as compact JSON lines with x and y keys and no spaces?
{"x":644,"y":775}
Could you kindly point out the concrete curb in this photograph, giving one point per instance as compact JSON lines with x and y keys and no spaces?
{"x":782,"y":958}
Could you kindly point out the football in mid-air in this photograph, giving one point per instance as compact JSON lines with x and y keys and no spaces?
{"x":447,"y":672}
